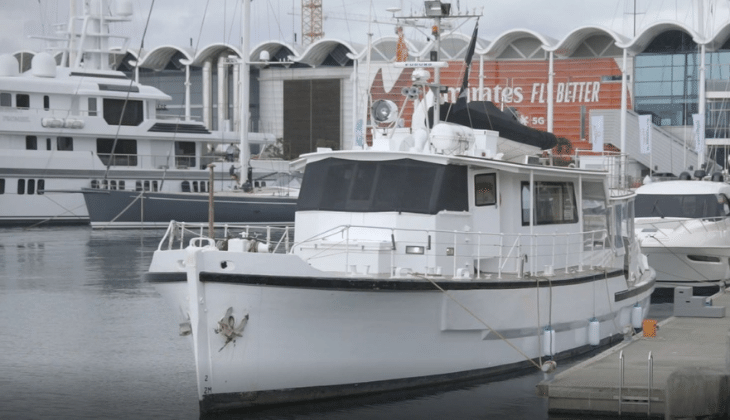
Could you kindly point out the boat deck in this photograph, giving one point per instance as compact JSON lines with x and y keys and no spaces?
{"x":690,"y":375}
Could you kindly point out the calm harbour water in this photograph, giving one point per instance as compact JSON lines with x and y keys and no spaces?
{"x":83,"y":337}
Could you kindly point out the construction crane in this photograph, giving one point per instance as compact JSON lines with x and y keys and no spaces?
{"x":311,"y":21}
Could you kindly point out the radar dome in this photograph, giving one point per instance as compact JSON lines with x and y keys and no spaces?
{"x":8,"y":66}
{"x":43,"y":65}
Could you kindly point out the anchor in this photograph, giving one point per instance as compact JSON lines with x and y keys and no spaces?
{"x":227,"y":327}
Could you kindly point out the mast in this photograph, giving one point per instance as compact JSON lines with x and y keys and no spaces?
{"x":244,"y":76}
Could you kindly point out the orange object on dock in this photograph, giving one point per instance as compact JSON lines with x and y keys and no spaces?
{"x":649,"y":327}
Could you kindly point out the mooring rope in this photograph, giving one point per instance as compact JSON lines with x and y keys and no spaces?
{"x":480,"y":320}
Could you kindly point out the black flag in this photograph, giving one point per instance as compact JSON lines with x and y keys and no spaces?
{"x":469,"y":54}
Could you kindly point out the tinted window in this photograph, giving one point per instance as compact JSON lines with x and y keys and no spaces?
{"x":65,"y":143}
{"x":21,"y":186}
{"x":31,"y":143}
{"x":688,"y":206}
{"x":121,"y":112}
{"x":398,"y":185}
{"x":124,"y":153}
{"x":41,"y":186}
{"x":6,"y":99}
{"x":2,"y":185}
{"x":46,"y":102}
{"x":31,"y":186}
{"x":22,"y":100}
{"x":185,"y":154}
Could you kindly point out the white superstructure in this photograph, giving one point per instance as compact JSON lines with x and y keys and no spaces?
{"x":82,"y":125}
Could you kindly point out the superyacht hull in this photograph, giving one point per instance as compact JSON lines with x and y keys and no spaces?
{"x":134,"y":209}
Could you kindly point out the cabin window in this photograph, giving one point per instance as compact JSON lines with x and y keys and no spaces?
{"x":123,"y":112}
{"x":21,"y":186}
{"x":485,"y":189}
{"x":185,"y":154}
{"x":124,"y":153}
{"x":64,"y":143}
{"x":154,"y":185}
{"x":202,"y":186}
{"x":31,"y":143}
{"x":94,"y":183}
{"x":112,"y":185}
{"x":146,"y":185}
{"x":595,"y":213}
{"x":46,"y":102}
{"x":6,"y":99}
{"x":691,"y":206}
{"x":553,"y":202}
{"x":624,"y":223}
{"x":403,"y":185}
{"x":48,"y":144}
{"x":92,"y":107}
{"x":22,"y":100}
{"x":2,"y":185}
{"x":121,"y":185}
{"x":195,"y":186}
{"x":31,"y":186}
{"x":104,"y":184}
{"x":185,"y":186}
{"x":138,"y":186}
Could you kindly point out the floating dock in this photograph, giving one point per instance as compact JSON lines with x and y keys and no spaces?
{"x":681,"y":372}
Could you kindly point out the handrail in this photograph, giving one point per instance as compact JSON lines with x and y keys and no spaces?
{"x":459,"y":253}
{"x":650,"y":384}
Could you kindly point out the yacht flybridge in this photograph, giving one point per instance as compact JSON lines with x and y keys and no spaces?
{"x":440,"y":253}
{"x":71,"y":122}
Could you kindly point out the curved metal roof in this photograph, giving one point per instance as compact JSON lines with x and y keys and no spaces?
{"x":278,"y":51}
{"x":573,"y":40}
{"x":585,"y":41}
{"x":719,"y":38}
{"x":640,"y":42}
{"x":159,"y":57}
{"x":319,"y":51}
{"x":507,"y":38}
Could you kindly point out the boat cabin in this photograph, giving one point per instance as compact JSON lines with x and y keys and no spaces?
{"x":397,"y":214}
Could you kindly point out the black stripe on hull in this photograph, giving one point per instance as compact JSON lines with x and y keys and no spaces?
{"x":359,"y":284}
{"x":626,"y":294}
{"x":381,"y":285}
{"x":213,"y":403}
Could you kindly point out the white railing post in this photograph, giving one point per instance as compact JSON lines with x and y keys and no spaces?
{"x":501,"y":245}
{"x":453,"y":273}
{"x":347,"y":247}
{"x":479,"y":255}
{"x":567,"y":252}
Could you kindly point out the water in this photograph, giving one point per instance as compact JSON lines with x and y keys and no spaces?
{"x":83,"y":337}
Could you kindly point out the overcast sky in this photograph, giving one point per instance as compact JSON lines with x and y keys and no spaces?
{"x":177,"y":22}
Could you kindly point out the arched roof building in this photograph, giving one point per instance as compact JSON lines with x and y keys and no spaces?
{"x":555,"y":84}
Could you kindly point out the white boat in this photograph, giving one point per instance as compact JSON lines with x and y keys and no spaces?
{"x":83,"y":125}
{"x":438,"y":255}
{"x":684,"y":229}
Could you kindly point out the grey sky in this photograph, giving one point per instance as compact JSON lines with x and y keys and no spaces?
{"x":176,"y":22}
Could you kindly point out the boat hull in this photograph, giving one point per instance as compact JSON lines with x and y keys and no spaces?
{"x":693,"y":253}
{"x":133,"y":209}
{"x":312,"y":337}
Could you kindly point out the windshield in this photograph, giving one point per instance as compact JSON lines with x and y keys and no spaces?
{"x":402,"y":185}
{"x":686,"y":206}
